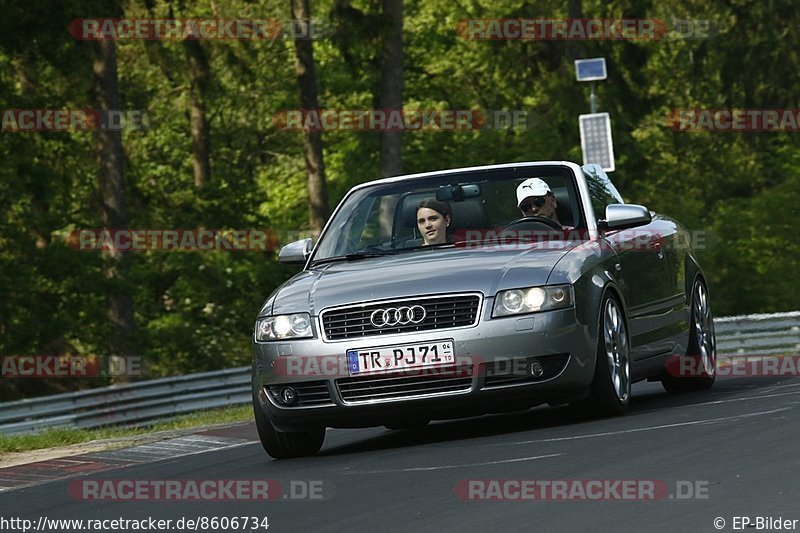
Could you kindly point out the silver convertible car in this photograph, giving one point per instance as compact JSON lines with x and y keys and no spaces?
{"x":458,"y":293}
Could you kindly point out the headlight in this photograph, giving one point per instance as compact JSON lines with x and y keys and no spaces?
{"x":532,"y":299}
{"x":294,"y":326}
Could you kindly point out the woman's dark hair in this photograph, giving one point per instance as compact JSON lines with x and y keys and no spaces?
{"x":440,"y":207}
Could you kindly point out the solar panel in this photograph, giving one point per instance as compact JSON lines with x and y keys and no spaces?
{"x":596,"y":141}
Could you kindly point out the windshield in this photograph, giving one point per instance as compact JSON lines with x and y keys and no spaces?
{"x":383,"y":218}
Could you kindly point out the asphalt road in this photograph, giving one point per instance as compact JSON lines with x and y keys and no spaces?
{"x":736,"y":447}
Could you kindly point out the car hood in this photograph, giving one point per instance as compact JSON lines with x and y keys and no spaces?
{"x":418,"y":273}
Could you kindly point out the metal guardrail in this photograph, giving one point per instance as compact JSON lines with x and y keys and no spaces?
{"x":141,"y":403}
{"x":772,"y":334}
{"x":130,"y":403}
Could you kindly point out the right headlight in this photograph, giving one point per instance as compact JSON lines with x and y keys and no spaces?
{"x":532,"y":299}
{"x":278,"y":327}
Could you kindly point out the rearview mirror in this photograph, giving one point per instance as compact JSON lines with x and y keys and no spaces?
{"x":622,"y":216}
{"x":295,"y":253}
{"x":458,"y":193}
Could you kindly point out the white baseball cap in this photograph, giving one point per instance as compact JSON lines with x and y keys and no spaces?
{"x":531,"y":187}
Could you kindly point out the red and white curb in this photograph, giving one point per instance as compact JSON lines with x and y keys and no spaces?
{"x":26,"y":475}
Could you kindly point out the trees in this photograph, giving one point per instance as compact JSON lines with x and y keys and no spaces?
{"x":214,"y":105}
{"x":113,"y":198}
{"x":199,"y":75}
{"x":391,"y":87}
{"x":312,"y":140}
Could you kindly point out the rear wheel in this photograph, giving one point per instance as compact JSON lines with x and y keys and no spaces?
{"x":702,"y":346}
{"x":610,"y":391}
{"x":286,"y":444}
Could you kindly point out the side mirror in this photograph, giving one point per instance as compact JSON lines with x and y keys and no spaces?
{"x":622,"y":216}
{"x":295,"y":253}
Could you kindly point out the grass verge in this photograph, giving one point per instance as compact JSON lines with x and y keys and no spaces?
{"x":65,"y":436}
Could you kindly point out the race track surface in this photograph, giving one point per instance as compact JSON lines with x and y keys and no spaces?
{"x":725,"y":453}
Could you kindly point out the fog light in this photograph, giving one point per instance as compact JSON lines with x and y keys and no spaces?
{"x":288,"y":396}
{"x":535,"y":369}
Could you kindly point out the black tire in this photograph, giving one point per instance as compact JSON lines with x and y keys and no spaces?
{"x":610,"y":392}
{"x":286,"y":444}
{"x":702,"y":345}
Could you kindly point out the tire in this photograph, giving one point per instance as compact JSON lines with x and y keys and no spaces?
{"x":702,"y":345}
{"x":610,"y":392}
{"x":286,"y":444}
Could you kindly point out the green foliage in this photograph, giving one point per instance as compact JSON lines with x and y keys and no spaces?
{"x":195,"y":310}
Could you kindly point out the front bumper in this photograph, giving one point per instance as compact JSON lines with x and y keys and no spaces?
{"x":493,"y":356}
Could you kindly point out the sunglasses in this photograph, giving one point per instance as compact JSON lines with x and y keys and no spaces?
{"x":537,"y":201}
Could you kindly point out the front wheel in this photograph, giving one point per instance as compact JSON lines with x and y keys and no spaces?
{"x":610,"y":392}
{"x":286,"y":444}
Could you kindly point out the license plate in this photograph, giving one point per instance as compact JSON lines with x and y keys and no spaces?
{"x":400,"y":357}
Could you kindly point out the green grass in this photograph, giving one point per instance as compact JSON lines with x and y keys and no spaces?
{"x":66,"y":436}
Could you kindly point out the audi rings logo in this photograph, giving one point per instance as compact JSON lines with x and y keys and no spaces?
{"x":398,"y":316}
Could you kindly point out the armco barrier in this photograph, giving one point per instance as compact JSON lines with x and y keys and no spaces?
{"x":777,"y":333}
{"x":145,"y":401}
{"x":130,"y":404}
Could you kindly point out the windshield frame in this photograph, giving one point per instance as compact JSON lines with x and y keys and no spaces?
{"x":462,"y":175}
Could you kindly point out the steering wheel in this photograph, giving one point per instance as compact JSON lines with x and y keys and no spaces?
{"x":532,"y":222}
{"x":531,"y":229}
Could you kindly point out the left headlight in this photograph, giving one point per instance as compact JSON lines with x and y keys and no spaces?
{"x":294,"y":326}
{"x":532,"y":299}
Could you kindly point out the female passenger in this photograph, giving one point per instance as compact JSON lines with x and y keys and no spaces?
{"x":433,"y":219}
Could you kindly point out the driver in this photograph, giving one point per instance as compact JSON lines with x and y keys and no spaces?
{"x":534,"y":198}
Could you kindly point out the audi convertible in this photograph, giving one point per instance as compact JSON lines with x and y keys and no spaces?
{"x":478,"y":290}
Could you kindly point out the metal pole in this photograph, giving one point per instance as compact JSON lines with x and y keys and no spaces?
{"x":593,"y":100}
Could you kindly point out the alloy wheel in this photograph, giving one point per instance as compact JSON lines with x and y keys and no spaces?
{"x":617,"y":352}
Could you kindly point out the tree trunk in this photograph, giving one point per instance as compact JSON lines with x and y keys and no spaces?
{"x":574,"y":48}
{"x":391,"y":97}
{"x":312,"y":140}
{"x":199,"y":75}
{"x":108,"y":144}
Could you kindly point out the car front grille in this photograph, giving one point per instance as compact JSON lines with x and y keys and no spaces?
{"x":449,"y":311}
{"x":405,"y":385}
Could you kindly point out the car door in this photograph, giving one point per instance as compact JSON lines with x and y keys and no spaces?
{"x":643,"y":273}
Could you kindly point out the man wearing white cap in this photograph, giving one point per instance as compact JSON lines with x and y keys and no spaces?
{"x":534,"y":198}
